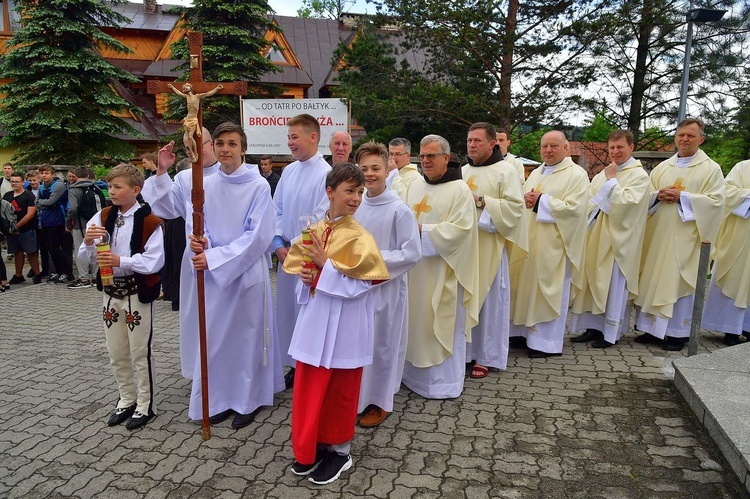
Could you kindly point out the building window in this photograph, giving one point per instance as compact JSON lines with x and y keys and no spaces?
{"x":275,"y":54}
{"x":10,"y":20}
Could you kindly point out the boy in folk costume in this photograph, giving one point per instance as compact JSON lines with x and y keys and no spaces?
{"x":136,"y":255}
{"x":392,"y":224}
{"x":333,"y":335}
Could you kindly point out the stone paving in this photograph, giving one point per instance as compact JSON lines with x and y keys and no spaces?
{"x":592,"y":423}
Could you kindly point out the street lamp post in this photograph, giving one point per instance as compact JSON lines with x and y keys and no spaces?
{"x":693,"y":16}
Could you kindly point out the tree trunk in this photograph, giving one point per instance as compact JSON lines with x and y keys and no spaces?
{"x":506,"y":66}
{"x":641,"y":62}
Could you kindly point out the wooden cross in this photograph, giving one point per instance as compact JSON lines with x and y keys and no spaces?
{"x":422,"y":207}
{"x":471,"y":183}
{"x":195,"y":43}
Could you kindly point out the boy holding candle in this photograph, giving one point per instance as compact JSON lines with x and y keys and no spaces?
{"x":333,"y":336}
{"x":136,"y":255}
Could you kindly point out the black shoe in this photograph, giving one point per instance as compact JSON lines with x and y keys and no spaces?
{"x":242,"y":420}
{"x":602,"y":343}
{"x":37,"y":279}
{"x":221,"y":417}
{"x":746,"y":334}
{"x":289,"y":379}
{"x":588,"y":335}
{"x":139,"y":420}
{"x":537,"y":354}
{"x":672,"y":344}
{"x":16,"y":279}
{"x":331,"y":468}
{"x":646,"y":339}
{"x":300,"y":469}
{"x":30,"y":273}
{"x":517,"y":342}
{"x":175,"y":306}
{"x":63,"y":279}
{"x":731,"y":340}
{"x":52,"y":279}
{"x":121,"y":415}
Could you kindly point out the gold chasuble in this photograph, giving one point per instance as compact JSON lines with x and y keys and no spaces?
{"x":351,"y":249}
{"x":671,"y":247}
{"x":448,"y":214}
{"x":537,"y":279}
{"x":503,"y":196}
{"x":406,"y":175}
{"x":614,"y":237}
{"x":732,"y":267}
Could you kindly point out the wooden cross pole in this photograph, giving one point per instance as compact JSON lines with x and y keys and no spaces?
{"x":193,"y":125}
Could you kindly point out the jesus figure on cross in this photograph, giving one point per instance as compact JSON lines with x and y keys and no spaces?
{"x":190,"y":122}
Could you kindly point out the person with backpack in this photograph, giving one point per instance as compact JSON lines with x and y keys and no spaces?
{"x":85,"y":200}
{"x":51,"y":205}
{"x":20,"y":230}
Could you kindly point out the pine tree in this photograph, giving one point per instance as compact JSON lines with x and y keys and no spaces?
{"x":58,"y":105}
{"x":233,"y":42}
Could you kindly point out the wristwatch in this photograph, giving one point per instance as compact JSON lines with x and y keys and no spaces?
{"x":480,"y":201}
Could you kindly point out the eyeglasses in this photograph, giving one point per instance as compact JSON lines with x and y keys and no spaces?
{"x":430,"y":156}
{"x":397,"y":154}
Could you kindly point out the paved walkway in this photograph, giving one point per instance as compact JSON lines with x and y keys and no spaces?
{"x":592,"y":423}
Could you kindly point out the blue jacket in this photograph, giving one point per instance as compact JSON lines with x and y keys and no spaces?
{"x":52,"y":203}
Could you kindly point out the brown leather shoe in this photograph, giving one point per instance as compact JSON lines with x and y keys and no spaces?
{"x":373,"y":417}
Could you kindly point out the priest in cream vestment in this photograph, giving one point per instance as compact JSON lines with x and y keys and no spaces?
{"x":729,"y":294}
{"x":557,"y":193}
{"x":686,"y":207}
{"x":617,"y":221}
{"x":498,"y":195}
{"x":443,"y":294}
{"x":399,"y":154}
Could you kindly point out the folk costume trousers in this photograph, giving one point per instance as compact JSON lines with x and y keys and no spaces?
{"x":324,"y":408}
{"x":129,"y":329}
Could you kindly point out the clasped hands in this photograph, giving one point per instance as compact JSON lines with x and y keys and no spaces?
{"x":668,"y":194}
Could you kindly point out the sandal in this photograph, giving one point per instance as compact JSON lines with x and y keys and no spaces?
{"x":478,"y":372}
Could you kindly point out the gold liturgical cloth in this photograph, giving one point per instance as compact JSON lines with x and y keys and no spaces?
{"x":351,"y":249}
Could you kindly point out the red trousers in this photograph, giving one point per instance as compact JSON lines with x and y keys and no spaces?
{"x":324,"y":408}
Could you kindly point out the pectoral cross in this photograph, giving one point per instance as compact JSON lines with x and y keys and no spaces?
{"x":471,"y":184}
{"x":193,"y":124}
{"x":678,"y":184}
{"x":421,"y":207}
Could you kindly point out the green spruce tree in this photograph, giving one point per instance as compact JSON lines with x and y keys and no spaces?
{"x":59,"y":104}
{"x":233,"y":46}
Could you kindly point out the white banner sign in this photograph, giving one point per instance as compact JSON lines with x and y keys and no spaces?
{"x":264,"y":121}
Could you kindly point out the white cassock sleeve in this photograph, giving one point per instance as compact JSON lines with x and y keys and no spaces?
{"x":485,"y":222}
{"x":166,"y":197}
{"x":428,"y":249}
{"x":407,"y":251}
{"x":603,"y":197}
{"x":743,"y":210}
{"x":227,"y":263}
{"x":544,"y":213}
{"x":333,"y":283}
{"x":685,"y":207}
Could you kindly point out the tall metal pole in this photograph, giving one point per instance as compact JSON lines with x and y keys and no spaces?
{"x":700,"y":294}
{"x":685,"y":73}
{"x":686,"y":67}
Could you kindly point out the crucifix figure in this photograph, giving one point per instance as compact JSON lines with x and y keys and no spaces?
{"x":193,"y":124}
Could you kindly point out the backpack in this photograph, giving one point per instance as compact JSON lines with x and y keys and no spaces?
{"x":91,"y":202}
{"x":105,"y":190}
{"x":7,"y":218}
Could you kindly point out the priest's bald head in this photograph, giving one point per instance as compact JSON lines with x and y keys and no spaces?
{"x":434,"y":153}
{"x":554,"y":147}
{"x":341,"y":147}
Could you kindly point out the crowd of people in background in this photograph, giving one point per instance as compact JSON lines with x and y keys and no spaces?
{"x":389,"y":272}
